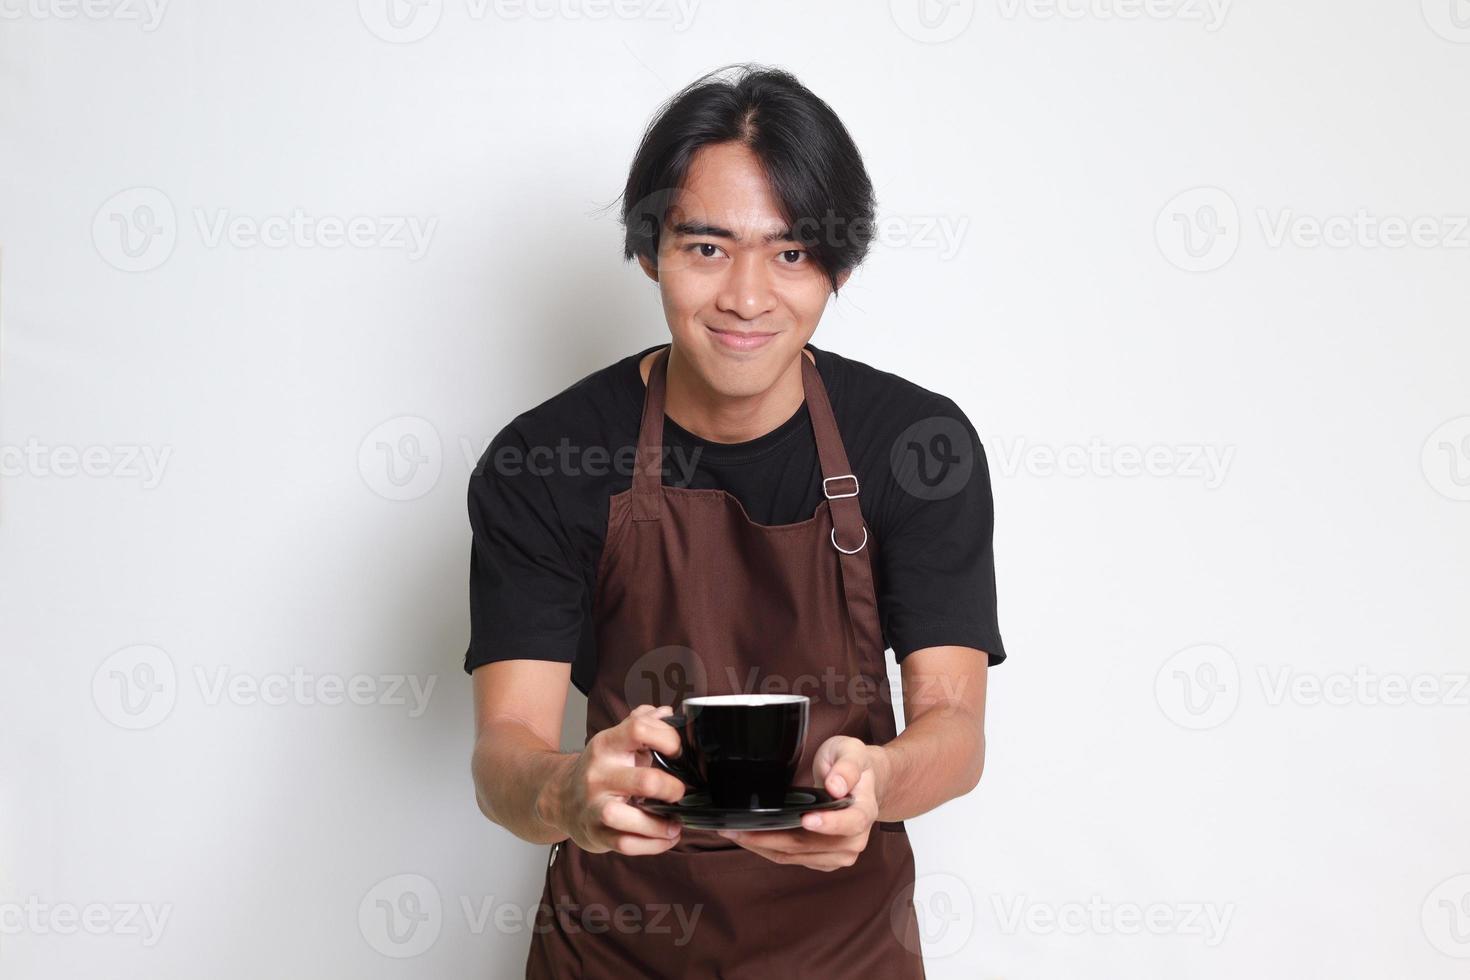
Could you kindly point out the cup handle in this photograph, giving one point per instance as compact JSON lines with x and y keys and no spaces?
{"x":674,"y":767}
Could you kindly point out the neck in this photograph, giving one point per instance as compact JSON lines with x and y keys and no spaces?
{"x":716,"y":417}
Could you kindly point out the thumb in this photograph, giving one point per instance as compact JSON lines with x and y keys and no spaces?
{"x":839,"y":764}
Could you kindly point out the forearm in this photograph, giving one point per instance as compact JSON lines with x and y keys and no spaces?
{"x":937,"y":758}
{"x":517,"y":776}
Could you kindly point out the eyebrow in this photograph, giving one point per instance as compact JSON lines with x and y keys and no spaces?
{"x":703,"y":229}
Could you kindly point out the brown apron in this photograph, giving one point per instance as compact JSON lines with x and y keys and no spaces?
{"x":693,"y":598}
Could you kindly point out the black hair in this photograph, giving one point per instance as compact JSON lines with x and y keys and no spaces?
{"x":812,"y":163}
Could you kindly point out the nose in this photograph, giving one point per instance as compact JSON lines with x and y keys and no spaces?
{"x":746,"y":291}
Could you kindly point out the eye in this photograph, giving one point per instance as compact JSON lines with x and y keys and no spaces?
{"x":792,"y":256}
{"x":701,"y":246}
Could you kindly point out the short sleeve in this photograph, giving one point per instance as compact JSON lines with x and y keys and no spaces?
{"x":936,"y":564}
{"x":527,"y":595}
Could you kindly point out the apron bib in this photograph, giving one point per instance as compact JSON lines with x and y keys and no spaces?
{"x":694,"y":598}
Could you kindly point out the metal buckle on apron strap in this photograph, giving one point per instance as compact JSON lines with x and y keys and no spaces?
{"x":862,"y":544}
{"x":838,"y":496}
{"x":827,"y":492}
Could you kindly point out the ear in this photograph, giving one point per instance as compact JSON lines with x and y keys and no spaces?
{"x":842,"y":278}
{"x":649,"y":269}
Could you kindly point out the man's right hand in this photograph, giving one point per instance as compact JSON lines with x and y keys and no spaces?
{"x":590,"y":800}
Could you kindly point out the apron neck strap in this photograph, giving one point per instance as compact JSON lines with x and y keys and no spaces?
{"x":648,"y":463}
{"x":839,"y":484}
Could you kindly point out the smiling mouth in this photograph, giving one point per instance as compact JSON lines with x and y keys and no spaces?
{"x":741,"y":340}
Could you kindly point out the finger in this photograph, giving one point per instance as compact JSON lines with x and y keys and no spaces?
{"x":636,"y":844}
{"x":642,"y":731}
{"x":745,"y":841}
{"x":851,"y":820}
{"x":622,"y":816}
{"x":649,"y":782}
{"x":650,"y":710}
{"x":783,"y":841}
{"x":847,"y":822}
{"x":817,"y":861}
{"x":847,"y":767}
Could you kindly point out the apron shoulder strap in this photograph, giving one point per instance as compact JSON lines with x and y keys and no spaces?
{"x":648,"y":462}
{"x":839,"y":483}
{"x":850,"y":537}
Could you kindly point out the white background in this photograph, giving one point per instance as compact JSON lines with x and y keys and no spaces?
{"x":1039,"y":265}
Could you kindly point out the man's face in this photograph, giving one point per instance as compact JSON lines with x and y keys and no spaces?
{"x":741,"y":295}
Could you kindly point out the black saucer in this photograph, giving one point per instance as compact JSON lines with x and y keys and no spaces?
{"x":696,"y":812}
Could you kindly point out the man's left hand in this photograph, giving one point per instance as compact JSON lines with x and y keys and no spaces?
{"x":829,"y":839}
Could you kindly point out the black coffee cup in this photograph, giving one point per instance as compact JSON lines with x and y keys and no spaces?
{"x":740,"y":749}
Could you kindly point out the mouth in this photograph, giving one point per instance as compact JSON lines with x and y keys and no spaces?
{"x":741,"y":340}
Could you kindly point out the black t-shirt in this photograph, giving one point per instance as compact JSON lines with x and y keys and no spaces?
{"x":538,"y":502}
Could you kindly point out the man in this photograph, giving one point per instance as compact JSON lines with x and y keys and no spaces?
{"x":735,"y":511}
